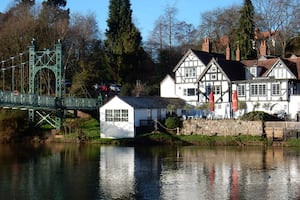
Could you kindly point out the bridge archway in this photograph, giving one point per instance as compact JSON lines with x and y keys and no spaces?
{"x":46,"y":59}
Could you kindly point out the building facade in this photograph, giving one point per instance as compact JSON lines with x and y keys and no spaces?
{"x":124,"y":116}
{"x":269,"y":84}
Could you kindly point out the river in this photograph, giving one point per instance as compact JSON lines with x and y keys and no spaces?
{"x":88,"y":172}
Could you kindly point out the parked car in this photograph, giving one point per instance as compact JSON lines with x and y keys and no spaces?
{"x":115,"y":87}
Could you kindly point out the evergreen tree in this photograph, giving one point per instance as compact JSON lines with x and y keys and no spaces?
{"x":245,"y":31}
{"x":124,"y":52}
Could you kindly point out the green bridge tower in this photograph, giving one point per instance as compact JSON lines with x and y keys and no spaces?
{"x":51,"y":60}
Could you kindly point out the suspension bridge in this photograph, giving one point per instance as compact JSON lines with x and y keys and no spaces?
{"x":34,"y":80}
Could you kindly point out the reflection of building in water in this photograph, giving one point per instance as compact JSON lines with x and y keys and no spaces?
{"x":195,"y":173}
{"x":116,"y":172}
{"x":228,"y":174}
{"x":147,"y":173}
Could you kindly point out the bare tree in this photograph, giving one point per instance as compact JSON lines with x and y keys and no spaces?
{"x":169,"y":32}
{"x":170,"y":18}
{"x":82,"y":31}
{"x":186,"y":35}
{"x":157,"y":38}
{"x":16,"y":30}
{"x":163,"y":33}
{"x":280,"y":19}
{"x":220,"y":26}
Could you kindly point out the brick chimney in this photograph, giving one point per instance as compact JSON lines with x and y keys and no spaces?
{"x":238,"y":53}
{"x":205,"y":45}
{"x":228,"y":56}
{"x":263,"y":48}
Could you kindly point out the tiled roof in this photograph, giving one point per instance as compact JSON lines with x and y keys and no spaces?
{"x":292,"y":63}
{"x":152,"y":102}
{"x":266,"y":63}
{"x":295,"y":60}
{"x":233,"y":69}
{"x":205,"y":57}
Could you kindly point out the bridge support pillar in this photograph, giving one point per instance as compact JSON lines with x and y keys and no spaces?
{"x":31,"y":115}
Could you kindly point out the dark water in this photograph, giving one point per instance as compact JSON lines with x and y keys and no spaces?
{"x":82,"y":172}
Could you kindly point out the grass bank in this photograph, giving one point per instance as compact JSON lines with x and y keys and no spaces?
{"x":87,"y":131}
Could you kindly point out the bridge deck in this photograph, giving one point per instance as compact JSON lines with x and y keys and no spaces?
{"x":30,"y":101}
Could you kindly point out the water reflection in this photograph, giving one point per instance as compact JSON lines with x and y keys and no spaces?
{"x":47,"y":172}
{"x":107,"y":172}
{"x":117,"y":172}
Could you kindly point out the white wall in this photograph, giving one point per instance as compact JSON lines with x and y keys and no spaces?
{"x":179,"y":91}
{"x":117,"y":129}
{"x":167,"y":87}
{"x":294,"y":107}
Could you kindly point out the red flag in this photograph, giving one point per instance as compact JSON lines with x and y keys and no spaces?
{"x":234,"y":101}
{"x":211,"y":102}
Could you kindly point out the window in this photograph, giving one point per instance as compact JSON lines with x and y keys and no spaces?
{"x":109,"y":115}
{"x":190,"y":72}
{"x":257,"y":89}
{"x":241,"y":90}
{"x":213,"y":77}
{"x":275,"y":88}
{"x":213,"y":69}
{"x":124,"y":115}
{"x":189,"y":92}
{"x":116,"y":115}
{"x":253,"y":71}
{"x":217,"y":89}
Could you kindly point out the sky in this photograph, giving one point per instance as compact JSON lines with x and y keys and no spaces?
{"x":144,"y":12}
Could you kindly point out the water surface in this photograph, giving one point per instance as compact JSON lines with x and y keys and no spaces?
{"x":62,"y":171}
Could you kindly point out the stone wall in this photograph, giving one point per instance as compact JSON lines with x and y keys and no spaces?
{"x":222,"y":127}
{"x":279,"y":130}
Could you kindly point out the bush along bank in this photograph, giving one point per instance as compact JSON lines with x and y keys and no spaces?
{"x":14,"y":125}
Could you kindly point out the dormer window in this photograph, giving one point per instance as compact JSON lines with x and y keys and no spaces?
{"x":253,"y":71}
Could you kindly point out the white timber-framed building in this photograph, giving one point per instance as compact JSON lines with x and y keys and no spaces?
{"x":268,"y":84}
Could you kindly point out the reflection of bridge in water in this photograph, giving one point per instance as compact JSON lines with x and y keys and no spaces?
{"x":34,"y":81}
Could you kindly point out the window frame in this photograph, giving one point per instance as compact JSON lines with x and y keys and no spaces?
{"x":217,"y":89}
{"x":275,"y":91}
{"x":189,"y":92}
{"x":259,"y":89}
{"x":241,"y":90}
{"x":116,"y":115}
{"x":190,"y":72}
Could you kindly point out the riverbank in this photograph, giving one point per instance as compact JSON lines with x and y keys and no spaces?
{"x":86,"y":130}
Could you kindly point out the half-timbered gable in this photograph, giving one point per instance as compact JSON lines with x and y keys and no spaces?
{"x":213,"y":79}
{"x":282,"y":69}
{"x":217,"y":78}
{"x":188,"y":70}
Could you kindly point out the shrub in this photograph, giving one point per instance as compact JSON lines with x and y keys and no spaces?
{"x":173,"y":122}
{"x":13,"y":124}
{"x":259,"y":115}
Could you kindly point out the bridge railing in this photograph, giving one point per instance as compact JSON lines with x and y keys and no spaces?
{"x":16,"y":99}
{"x":80,"y":103}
